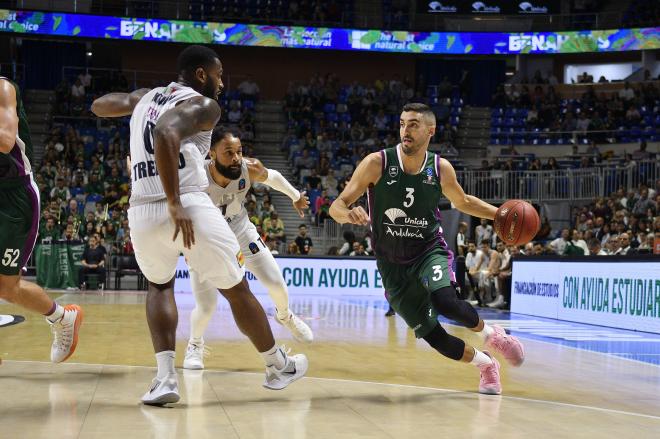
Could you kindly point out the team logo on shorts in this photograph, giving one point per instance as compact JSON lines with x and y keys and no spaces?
{"x":254,"y":248}
{"x":241,"y":184}
{"x":240,"y":258}
{"x":394,"y":171}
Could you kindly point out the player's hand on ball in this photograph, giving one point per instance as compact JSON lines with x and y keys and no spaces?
{"x":183,"y":223}
{"x":359,"y":216}
{"x":302,"y":204}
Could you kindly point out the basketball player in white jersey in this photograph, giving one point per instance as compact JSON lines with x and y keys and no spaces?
{"x":171,"y":214}
{"x":230,"y":177}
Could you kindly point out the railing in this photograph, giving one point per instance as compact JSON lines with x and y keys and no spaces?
{"x":558,"y":185}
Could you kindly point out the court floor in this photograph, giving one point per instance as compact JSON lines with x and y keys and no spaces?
{"x":368,"y":378}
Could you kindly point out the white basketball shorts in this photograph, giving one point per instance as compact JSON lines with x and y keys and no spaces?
{"x":215,"y":257}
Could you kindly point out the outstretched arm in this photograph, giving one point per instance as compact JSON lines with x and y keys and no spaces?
{"x":194,"y":115}
{"x":118,"y":104}
{"x":367,"y":173}
{"x":271,"y":177}
{"x":8,"y":116}
{"x":454,"y":192}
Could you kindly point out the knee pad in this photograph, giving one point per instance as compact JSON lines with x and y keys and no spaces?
{"x":448,"y":345}
{"x":446,"y":302}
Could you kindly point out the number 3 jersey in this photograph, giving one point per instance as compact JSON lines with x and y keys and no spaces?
{"x":145,"y":181}
{"x":404,"y":212}
{"x":230,"y":199}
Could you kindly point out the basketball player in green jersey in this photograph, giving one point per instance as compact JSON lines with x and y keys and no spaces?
{"x":19,"y":223}
{"x":405,"y":185}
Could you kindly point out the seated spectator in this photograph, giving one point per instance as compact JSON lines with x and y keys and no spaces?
{"x":595,"y":248}
{"x":93,"y":262}
{"x":60,"y":191}
{"x":274,"y":227}
{"x":347,"y":246}
{"x":50,"y":231}
{"x":248,"y":88}
{"x":303,"y":241}
{"x":626,"y":93}
{"x":641,"y":153}
{"x":624,"y":244}
{"x":78,"y":92}
{"x":273,"y":245}
{"x":559,"y":244}
{"x":358,"y":250}
{"x":322,"y":207}
{"x":293,"y":249}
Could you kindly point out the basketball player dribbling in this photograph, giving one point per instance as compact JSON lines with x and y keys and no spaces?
{"x":19,"y":224}
{"x":230,"y":177}
{"x":171,"y":214}
{"x":405,"y":184}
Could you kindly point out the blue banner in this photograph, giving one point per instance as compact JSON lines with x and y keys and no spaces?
{"x":478,"y":43}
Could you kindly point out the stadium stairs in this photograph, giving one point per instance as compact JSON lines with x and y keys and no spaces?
{"x":38,"y":106}
{"x":473,"y":132}
{"x":270,"y":130}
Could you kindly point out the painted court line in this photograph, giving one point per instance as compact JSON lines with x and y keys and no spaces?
{"x":517,"y":398}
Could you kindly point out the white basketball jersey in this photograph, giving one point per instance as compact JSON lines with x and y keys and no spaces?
{"x":145,"y":182}
{"x":229,"y":199}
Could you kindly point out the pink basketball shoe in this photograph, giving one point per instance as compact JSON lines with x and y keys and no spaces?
{"x":489,"y":383}
{"x":507,"y":345}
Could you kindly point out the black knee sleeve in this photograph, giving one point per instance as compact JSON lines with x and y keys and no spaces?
{"x":446,"y":344}
{"x":446,"y":302}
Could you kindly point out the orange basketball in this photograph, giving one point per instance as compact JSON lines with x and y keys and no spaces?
{"x":516,"y":222}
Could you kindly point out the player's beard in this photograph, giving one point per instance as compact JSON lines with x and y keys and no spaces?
{"x":411,"y":148}
{"x":229,"y":172}
{"x":209,"y":90}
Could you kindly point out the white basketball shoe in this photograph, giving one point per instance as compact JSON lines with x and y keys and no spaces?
{"x":299,"y":329}
{"x":295,"y":367}
{"x":65,"y":333}
{"x":163,"y":391}
{"x":195,"y":353}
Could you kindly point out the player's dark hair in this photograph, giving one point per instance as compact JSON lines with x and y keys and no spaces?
{"x":221,"y":132}
{"x":485,"y":241}
{"x":194,"y":57}
{"x":423,"y":109}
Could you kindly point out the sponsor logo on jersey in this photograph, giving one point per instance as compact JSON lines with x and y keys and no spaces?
{"x":403,"y":233}
{"x":240,"y":258}
{"x":241,"y":184}
{"x":391,"y":182}
{"x":254,"y":248}
{"x":394,"y":214}
{"x":394,"y":171}
{"x":425,"y":282}
{"x":429,"y":176}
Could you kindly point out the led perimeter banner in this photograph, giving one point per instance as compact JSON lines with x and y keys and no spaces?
{"x":618,"y":294}
{"x":181,"y":31}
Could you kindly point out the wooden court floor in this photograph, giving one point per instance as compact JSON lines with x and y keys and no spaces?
{"x":368,"y":378}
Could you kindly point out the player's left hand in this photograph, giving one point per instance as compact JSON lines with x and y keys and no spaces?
{"x":302,"y":204}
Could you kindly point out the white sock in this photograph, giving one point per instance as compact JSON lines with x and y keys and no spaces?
{"x":57,"y":314}
{"x":165,"y":360}
{"x":197,"y":341}
{"x":283,"y":314}
{"x":274,"y":357}
{"x":480,"y":358}
{"x":487,"y":331}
